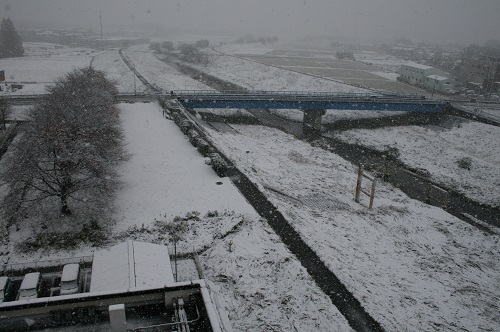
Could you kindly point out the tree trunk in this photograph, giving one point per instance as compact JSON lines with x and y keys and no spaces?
{"x":64,"y":206}
{"x":66,"y":185}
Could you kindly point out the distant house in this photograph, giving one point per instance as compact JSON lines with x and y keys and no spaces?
{"x":427,"y":77}
{"x":439,"y":83}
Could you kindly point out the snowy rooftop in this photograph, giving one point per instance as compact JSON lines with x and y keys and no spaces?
{"x":129,"y":265}
{"x":438,"y":78}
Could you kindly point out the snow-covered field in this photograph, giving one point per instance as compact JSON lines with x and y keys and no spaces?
{"x":384,"y":61}
{"x":256,"y":76}
{"x":42,"y":64}
{"x":158,"y":73}
{"x":112,"y":64}
{"x":413,"y":266}
{"x":439,"y":150}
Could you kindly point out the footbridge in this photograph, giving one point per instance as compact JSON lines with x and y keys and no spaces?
{"x":314,"y":104}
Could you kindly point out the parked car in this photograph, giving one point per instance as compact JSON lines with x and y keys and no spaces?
{"x":6,"y":289}
{"x":70,"y":280}
{"x":30,"y":287}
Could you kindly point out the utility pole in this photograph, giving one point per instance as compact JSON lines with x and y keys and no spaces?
{"x":134,"y":78}
{"x":100,"y":22}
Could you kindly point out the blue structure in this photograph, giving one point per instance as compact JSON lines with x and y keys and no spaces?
{"x":307,"y":101}
{"x":314,"y":104}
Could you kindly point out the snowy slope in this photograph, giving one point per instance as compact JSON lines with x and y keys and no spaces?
{"x":438,"y":150}
{"x":413,"y":266}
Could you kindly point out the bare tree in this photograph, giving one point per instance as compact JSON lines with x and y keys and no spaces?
{"x":69,"y":148}
{"x":191,"y":53}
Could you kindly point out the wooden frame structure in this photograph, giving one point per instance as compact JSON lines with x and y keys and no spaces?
{"x":360,"y":190}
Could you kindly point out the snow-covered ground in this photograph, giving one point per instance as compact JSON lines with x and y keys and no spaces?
{"x":260,"y":284}
{"x":158,"y":73}
{"x":439,"y":150}
{"x":384,"y":61}
{"x":413,"y":266}
{"x":42,"y":64}
{"x":166,"y":164}
{"x":256,"y":76}
{"x":112,"y":64}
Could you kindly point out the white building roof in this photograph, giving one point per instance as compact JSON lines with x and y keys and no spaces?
{"x":418,"y":66}
{"x":131,"y":265}
{"x":438,"y":78}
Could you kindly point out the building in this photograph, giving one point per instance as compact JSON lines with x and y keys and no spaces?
{"x":132,"y":289}
{"x":431,"y":78}
{"x":439,"y":83}
{"x":130,"y":265}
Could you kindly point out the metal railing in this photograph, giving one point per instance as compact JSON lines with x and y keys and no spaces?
{"x":53,"y":265}
{"x":328,"y":94}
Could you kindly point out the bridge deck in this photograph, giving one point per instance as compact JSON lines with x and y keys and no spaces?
{"x":307,"y":101}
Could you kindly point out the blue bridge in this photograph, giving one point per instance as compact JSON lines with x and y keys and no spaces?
{"x":314,"y":104}
{"x":307,"y":101}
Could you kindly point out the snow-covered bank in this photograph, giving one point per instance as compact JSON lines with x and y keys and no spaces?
{"x":166,"y":175}
{"x":413,"y":266}
{"x":262,"y":286}
{"x":440,"y":151}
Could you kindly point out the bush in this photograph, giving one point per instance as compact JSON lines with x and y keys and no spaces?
{"x":219,"y":165}
{"x":391,"y":152}
{"x":465,"y":163}
{"x":203,"y":147}
{"x":193,"y":136}
{"x":185,"y":125}
{"x":90,"y":233}
{"x":177,"y":119}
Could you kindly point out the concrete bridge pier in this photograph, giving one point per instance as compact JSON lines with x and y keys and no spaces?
{"x":312,"y":121}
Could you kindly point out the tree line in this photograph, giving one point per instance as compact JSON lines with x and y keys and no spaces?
{"x":11,"y":44}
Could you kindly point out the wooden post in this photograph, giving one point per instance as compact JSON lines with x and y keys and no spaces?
{"x":358,"y":184}
{"x":372,"y":195}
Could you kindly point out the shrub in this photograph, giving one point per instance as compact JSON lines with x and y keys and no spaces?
{"x":219,"y":165}
{"x":90,"y":233}
{"x":465,"y":163}
{"x":193,"y":136}
{"x":391,"y":152}
{"x":185,"y":125}
{"x":203,"y":147}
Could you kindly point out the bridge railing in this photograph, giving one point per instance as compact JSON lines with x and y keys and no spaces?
{"x":298,"y":94}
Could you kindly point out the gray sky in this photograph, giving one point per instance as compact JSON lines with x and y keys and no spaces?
{"x":440,"y":21}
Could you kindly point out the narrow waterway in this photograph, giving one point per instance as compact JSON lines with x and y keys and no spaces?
{"x":413,"y":185}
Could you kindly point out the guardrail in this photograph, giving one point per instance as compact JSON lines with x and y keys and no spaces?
{"x":326,"y":94}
